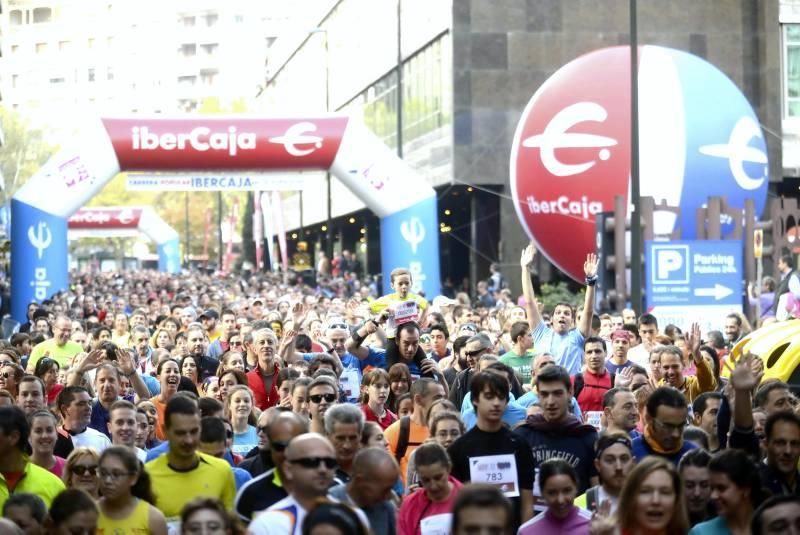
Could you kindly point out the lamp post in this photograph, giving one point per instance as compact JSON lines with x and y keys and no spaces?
{"x":636,"y":229}
{"x":329,"y":225}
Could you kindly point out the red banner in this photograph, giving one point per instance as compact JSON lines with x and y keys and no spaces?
{"x":105,"y":218}
{"x":225,"y":143}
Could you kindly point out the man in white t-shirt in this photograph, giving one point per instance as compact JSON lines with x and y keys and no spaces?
{"x":648,"y":330}
{"x":75,"y":405}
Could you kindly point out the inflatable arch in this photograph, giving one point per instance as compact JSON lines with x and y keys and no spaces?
{"x":403,"y":200}
{"x":129,"y":221}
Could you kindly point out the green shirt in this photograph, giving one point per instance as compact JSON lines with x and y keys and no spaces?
{"x":62,"y":354}
{"x":520,"y":364}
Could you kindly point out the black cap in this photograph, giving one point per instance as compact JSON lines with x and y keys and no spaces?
{"x":210,"y":314}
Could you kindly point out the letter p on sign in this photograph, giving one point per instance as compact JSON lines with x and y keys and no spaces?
{"x":671,"y":264}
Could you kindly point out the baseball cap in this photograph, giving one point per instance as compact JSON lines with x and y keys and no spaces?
{"x":210,"y":314}
{"x":443,"y":301}
{"x":256,"y":300}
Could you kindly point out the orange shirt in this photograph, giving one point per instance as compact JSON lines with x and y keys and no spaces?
{"x":417,"y":435}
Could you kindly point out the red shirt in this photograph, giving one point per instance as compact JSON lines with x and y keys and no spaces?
{"x":263,"y":399}
{"x":388,"y":419}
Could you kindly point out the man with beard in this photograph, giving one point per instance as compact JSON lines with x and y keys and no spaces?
{"x":665,"y":420}
{"x":590,"y":386}
{"x":620,"y":344}
{"x":267,"y":488}
{"x":183,"y":474}
{"x":456,"y":362}
{"x":476,"y":347}
{"x":672,"y":368}
{"x":196,"y":345}
{"x":613,"y":460}
{"x":263,"y":379}
{"x":564,"y":342}
{"x":555,"y":433}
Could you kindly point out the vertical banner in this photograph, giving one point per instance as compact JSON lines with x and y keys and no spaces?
{"x":169,"y":258}
{"x":280,"y":230}
{"x":258,"y":231}
{"x":39,"y":242}
{"x":406,"y":241}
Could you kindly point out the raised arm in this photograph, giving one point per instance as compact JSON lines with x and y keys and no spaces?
{"x":705,"y":377}
{"x":353,"y":344}
{"x":590,"y":270}
{"x":525,"y":261}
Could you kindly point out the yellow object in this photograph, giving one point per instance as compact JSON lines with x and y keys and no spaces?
{"x":778,"y":345}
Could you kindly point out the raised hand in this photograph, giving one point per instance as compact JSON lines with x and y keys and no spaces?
{"x":743,"y":374}
{"x":602,"y":523}
{"x":624,"y":378}
{"x":299,"y":313}
{"x":91,"y":361}
{"x":527,"y":256}
{"x":590,"y":266}
{"x":693,"y":340}
{"x":125,"y":362}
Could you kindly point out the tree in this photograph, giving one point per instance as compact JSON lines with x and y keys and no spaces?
{"x":23,"y":152}
{"x":248,"y":245}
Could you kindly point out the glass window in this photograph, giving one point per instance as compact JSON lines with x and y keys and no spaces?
{"x":426,"y":90}
{"x":42,"y":14}
{"x":791,"y":41}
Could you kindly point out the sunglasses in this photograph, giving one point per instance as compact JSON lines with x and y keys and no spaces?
{"x":338,"y":326}
{"x":7,"y":375}
{"x":316,"y":398}
{"x":476,"y":352}
{"x":314,"y":462}
{"x":82,"y":470}
{"x":235,"y":344}
{"x":277,"y":445}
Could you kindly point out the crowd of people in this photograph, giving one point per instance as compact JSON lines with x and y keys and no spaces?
{"x":151,"y":403}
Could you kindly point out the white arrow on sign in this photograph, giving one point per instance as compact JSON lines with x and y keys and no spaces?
{"x":717,"y":292}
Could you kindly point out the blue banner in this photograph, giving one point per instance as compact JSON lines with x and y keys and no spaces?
{"x":410,"y":239}
{"x":38,"y":257}
{"x":169,"y":258}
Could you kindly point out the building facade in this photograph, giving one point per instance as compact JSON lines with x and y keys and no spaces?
{"x":445,"y":83}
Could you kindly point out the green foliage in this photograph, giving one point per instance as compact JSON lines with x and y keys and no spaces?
{"x":23,"y":152}
{"x":551,"y":294}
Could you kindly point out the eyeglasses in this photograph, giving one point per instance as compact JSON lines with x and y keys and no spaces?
{"x":277,"y":445}
{"x":113,"y":475}
{"x":236,"y":344}
{"x":672,"y":428}
{"x":476,"y":352}
{"x":338,"y":326}
{"x":83,"y":469}
{"x":7,"y":375}
{"x":314,"y":462}
{"x":316,"y":398}
{"x":262,"y":429}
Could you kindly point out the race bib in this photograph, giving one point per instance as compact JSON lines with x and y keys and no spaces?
{"x":436,"y":524}
{"x":405,"y":311}
{"x":350,"y":383}
{"x":497,"y":470}
{"x":593,"y":418}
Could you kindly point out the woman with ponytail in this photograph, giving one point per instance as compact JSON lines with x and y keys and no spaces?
{"x":126,"y":507}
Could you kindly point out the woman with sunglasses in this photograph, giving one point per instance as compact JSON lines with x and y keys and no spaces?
{"x":42,"y":439}
{"x":239,"y":411}
{"x":10,"y":376}
{"x":47,"y":370}
{"x":127,"y":502}
{"x":80,"y":471}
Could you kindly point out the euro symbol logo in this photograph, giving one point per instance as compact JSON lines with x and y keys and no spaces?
{"x":298,"y":134}
{"x":413,"y":232}
{"x":738,"y":151}
{"x":555,"y":136}
{"x":40,"y":237}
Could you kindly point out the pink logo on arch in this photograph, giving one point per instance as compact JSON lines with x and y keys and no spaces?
{"x":571,"y":155}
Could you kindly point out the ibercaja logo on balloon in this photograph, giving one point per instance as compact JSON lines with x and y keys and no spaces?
{"x":571,"y":155}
